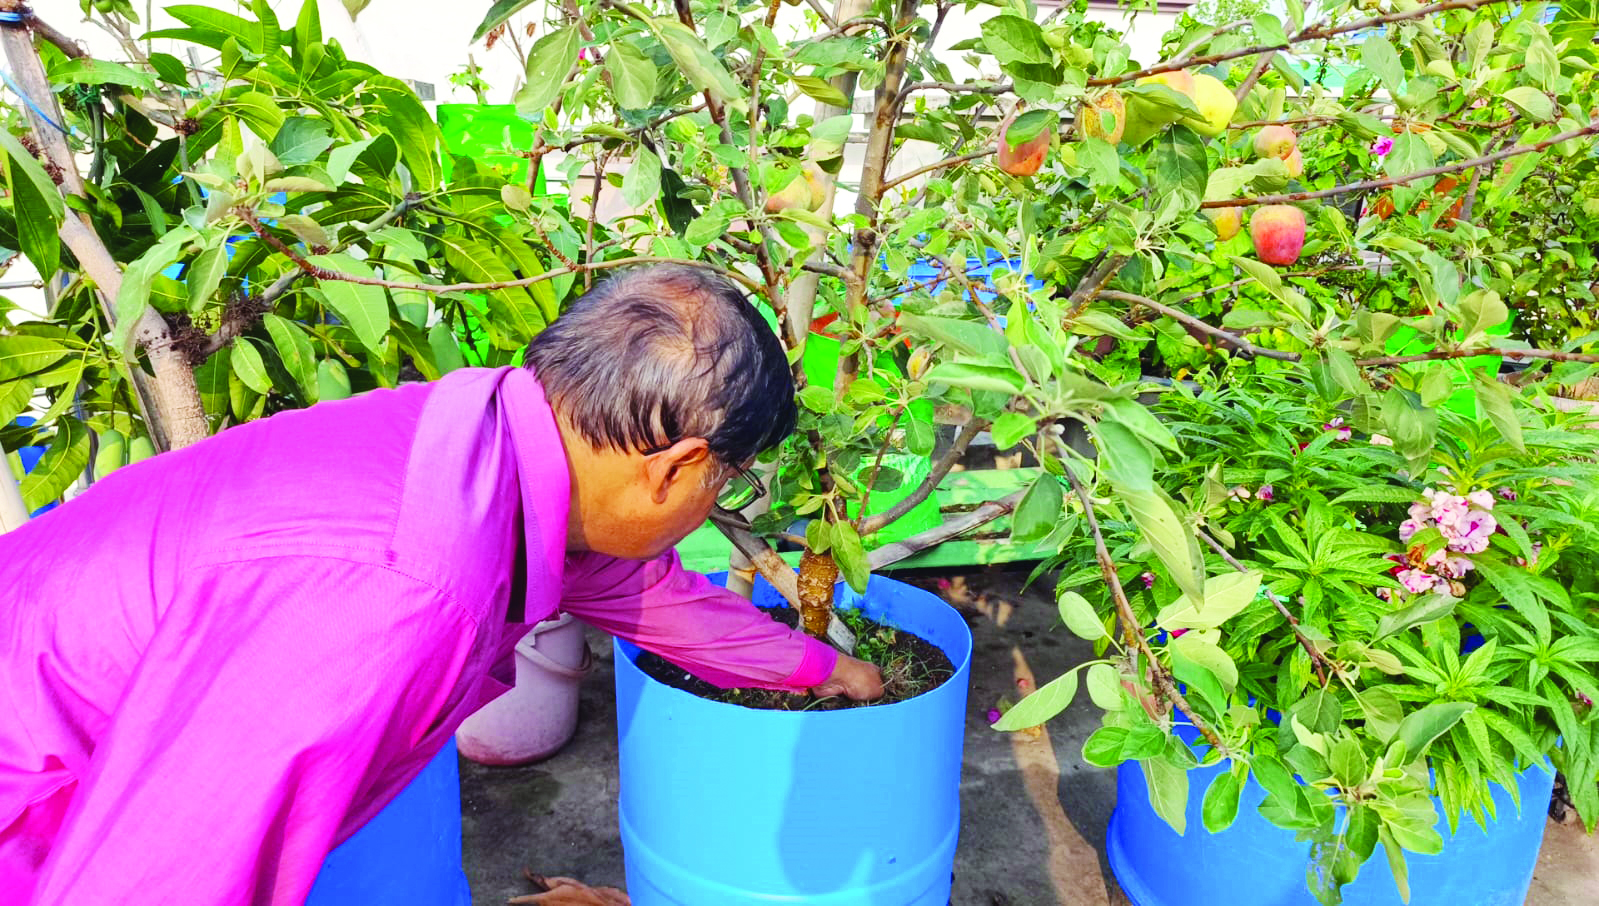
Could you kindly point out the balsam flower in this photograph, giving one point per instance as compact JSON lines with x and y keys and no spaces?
{"x":1266,"y":494}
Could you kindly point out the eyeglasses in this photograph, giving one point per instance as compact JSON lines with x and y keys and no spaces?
{"x":741,"y":490}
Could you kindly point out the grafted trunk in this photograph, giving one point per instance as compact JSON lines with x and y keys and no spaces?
{"x":817,"y":576}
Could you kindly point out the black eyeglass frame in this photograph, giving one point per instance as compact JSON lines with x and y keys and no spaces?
{"x":750,"y":479}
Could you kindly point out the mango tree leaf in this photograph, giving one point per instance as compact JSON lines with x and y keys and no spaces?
{"x":84,"y":71}
{"x":364,"y":308}
{"x":205,"y":274}
{"x":22,"y":355}
{"x":140,"y":274}
{"x":1044,"y":703}
{"x":61,"y":464}
{"x":1038,"y":510}
{"x":299,"y":359}
{"x":248,"y":366}
{"x":300,"y":140}
{"x":548,"y":62}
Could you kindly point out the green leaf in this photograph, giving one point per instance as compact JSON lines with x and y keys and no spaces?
{"x":1532,"y":102}
{"x":1419,"y":728}
{"x":1382,"y":712}
{"x":36,"y":225}
{"x":343,"y":157}
{"x":1225,"y":597}
{"x":23,"y":354}
{"x":364,"y":308}
{"x":205,"y":274}
{"x":1206,"y":654}
{"x":1396,"y":862}
{"x":1039,"y":509}
{"x":1498,"y":403}
{"x":1029,"y":126}
{"x":1410,"y":154}
{"x":1044,"y":703}
{"x":703,"y":70}
{"x":978,"y":340}
{"x":1427,"y":609}
{"x":1220,"y":807}
{"x":61,"y":464}
{"x":548,"y":63}
{"x":140,"y":274}
{"x":1013,"y":39}
{"x":996,"y":378}
{"x":633,"y":76}
{"x":1169,"y":537}
{"x":1010,"y":428}
{"x":821,"y":89}
{"x":851,"y":556}
{"x":1480,"y":312}
{"x":446,"y":348}
{"x":1103,"y":748}
{"x":84,"y":71}
{"x":1127,"y":460}
{"x":1080,"y":618}
{"x":1379,"y":56}
{"x":920,"y":437}
{"x":300,"y":141}
{"x":642,"y":183}
{"x":498,"y":14}
{"x":1168,"y":792}
{"x":1105,"y":688}
{"x":409,"y":124}
{"x":258,"y":111}
{"x":1181,"y":163}
{"x":295,"y":351}
{"x":248,"y":366}
{"x":19,"y":158}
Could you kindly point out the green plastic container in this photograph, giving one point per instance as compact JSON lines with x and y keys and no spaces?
{"x":1407,"y":341}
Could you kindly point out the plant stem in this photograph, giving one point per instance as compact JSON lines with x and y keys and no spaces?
{"x":1231,"y":339}
{"x":941,"y":468}
{"x":1131,"y":630}
{"x":889,"y":554}
{"x":818,"y":573}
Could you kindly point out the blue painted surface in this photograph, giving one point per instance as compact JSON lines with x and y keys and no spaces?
{"x":727,"y":805}
{"x":1256,"y":863}
{"x":409,"y":854}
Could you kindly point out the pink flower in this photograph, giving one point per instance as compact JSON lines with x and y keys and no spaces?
{"x":1507,"y":493}
{"x":1381,"y":440}
{"x":1240,"y":493}
{"x":1337,"y":424}
{"x":1482,"y":500}
{"x":1149,"y":579}
{"x":994,"y":715}
{"x":1175,"y":633}
{"x":1453,"y":567}
{"x":1265,"y":494}
{"x":1447,"y":510}
{"x":1408,"y":529}
{"x":1382,"y":146}
{"x":1475,"y":530}
{"x":1416,"y":581}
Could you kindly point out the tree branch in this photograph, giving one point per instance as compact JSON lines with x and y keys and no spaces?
{"x":947,"y":162}
{"x":1132,"y":632}
{"x":1093,"y":283}
{"x":1231,"y":339}
{"x":1310,"y":33}
{"x":1387,"y":181}
{"x":779,"y":574}
{"x":974,"y":425}
{"x":889,"y":554}
{"x":1318,"y":661}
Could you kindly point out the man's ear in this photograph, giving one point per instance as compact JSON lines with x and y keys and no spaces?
{"x":674,"y":464}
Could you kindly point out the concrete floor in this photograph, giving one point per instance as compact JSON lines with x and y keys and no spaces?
{"x":1033,"y":815}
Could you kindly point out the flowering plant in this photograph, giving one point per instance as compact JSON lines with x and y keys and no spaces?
{"x":1379,"y":632}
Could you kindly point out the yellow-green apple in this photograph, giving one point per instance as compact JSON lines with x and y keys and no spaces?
{"x":1278,"y":231}
{"x":1227,"y":221}
{"x":1091,"y":117}
{"x":797,"y":194}
{"x":1295,"y":163}
{"x":1216,"y":105}
{"x":1275,"y":141}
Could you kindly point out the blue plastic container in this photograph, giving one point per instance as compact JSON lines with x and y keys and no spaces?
{"x":30,"y":457}
{"x":1256,"y":863}
{"x":409,"y":854}
{"x":726,"y":805}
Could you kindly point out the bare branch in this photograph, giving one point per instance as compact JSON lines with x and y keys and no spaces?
{"x":973,"y":426}
{"x":947,"y":162}
{"x":1231,"y":339}
{"x":889,"y":554}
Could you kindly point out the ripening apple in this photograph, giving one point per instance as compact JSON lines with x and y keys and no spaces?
{"x":1177,"y":80}
{"x":1295,"y":163}
{"x":1216,"y":104}
{"x":1278,"y":231}
{"x":1275,"y":141}
{"x":1145,"y":119}
{"x":1090,"y":117}
{"x":803,"y":191}
{"x":1026,"y":158}
{"x":1227,"y":221}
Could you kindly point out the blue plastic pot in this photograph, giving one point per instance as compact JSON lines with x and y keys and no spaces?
{"x":1256,"y":863}
{"x":726,"y":805}
{"x":409,"y":854}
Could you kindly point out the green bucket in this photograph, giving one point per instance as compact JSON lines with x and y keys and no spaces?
{"x":1407,"y":341}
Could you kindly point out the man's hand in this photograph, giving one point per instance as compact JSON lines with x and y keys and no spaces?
{"x":853,"y":677}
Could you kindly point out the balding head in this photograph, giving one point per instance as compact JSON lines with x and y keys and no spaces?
{"x":657,"y":354}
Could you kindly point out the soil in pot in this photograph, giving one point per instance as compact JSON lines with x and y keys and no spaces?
{"x":911,"y":665}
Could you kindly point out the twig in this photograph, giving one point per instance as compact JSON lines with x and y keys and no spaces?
{"x":1231,"y":339}
{"x":973,"y":426}
{"x":1318,"y":661}
{"x":1249,"y":81}
{"x":947,"y":162}
{"x":1131,"y":631}
{"x":1387,"y":181}
{"x":64,"y":43}
{"x":1553,"y":355}
{"x":877,"y":464}
{"x":960,"y":87}
{"x":889,"y":554}
{"x":1093,"y":283}
{"x":1310,"y":33}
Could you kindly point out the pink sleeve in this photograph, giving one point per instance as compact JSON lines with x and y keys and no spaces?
{"x":277,"y":700}
{"x":686,"y":619}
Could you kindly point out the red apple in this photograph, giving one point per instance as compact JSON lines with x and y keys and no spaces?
{"x":1278,"y":231}
{"x":1026,"y":158}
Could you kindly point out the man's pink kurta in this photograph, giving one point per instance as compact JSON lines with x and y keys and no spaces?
{"x":218,"y":664}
